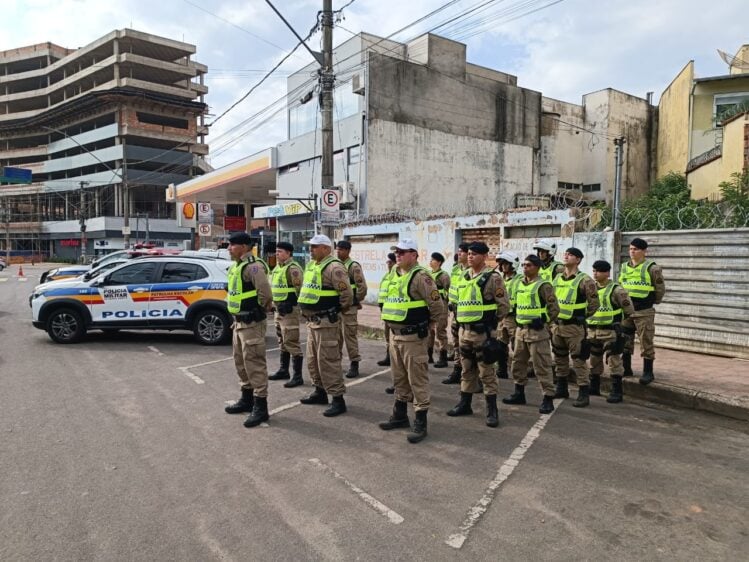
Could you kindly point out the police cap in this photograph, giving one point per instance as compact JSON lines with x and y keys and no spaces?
{"x":285,"y":246}
{"x":478,"y":248}
{"x":463,"y":246}
{"x":439,"y":257}
{"x":343,"y":245}
{"x":240,"y":238}
{"x":535,"y":260}
{"x":574,"y":252}
{"x":391,"y":256}
{"x":639,"y":243}
{"x":602,"y":266}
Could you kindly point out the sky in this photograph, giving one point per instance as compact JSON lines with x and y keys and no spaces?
{"x":562,"y":48}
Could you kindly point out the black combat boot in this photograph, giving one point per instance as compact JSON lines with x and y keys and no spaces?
{"x":454,"y":377}
{"x":462,"y":408}
{"x":595,"y":385}
{"x":399,"y":417}
{"x":547,"y":406}
{"x":337,"y":407}
{"x":259,"y":412}
{"x":353,"y":370}
{"x":647,"y":372}
{"x":517,"y":397}
{"x":627,"y":363}
{"x":385,"y":362}
{"x":297,"y":379}
{"x":583,"y":397}
{"x":283,"y":370}
{"x":244,"y":404}
{"x":430,"y":354}
{"x":492,"y":412}
{"x":502,"y":368}
{"x":442,"y":361}
{"x":616,"y":394}
{"x":318,"y":396}
{"x":419,"y":430}
{"x":562,"y":391}
{"x":390,"y":390}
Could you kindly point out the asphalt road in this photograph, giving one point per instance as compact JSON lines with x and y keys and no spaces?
{"x":118,"y":449}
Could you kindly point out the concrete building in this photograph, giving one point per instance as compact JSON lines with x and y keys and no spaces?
{"x":104,"y":129}
{"x":693,"y":132}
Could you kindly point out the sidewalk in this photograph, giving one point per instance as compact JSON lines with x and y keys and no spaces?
{"x":689,"y":380}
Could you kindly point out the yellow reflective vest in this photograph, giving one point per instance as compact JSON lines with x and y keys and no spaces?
{"x":238,"y":297}
{"x":398,"y":306}
{"x":315,"y":296}
{"x":606,"y":313}
{"x":528,"y":305}
{"x":567,"y":294}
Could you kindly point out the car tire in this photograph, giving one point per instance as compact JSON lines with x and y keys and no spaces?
{"x":65,"y":325}
{"x":211,"y":326}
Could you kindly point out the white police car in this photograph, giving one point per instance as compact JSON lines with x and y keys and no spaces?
{"x":153,"y":293}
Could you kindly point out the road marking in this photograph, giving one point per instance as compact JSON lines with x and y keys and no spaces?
{"x":23,"y":279}
{"x":371,"y":501}
{"x":222,"y":360}
{"x":3,"y":279}
{"x":456,"y":540}
{"x":195,"y":378}
{"x":156,"y":351}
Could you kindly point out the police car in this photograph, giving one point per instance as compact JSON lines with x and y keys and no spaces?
{"x":153,"y":293}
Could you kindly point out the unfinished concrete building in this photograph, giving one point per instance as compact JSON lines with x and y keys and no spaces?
{"x":119,"y":119}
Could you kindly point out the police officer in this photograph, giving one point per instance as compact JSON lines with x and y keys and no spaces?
{"x":286,"y":282}
{"x":350,"y":322}
{"x":577,"y":296}
{"x":381,"y":297}
{"x":413,"y":303}
{"x":508,"y":264}
{"x":535,"y":306}
{"x":326,"y":292}
{"x":456,"y":277}
{"x":482,"y":302}
{"x":545,"y":249}
{"x":604,"y":331}
{"x":247,"y":299}
{"x":439,"y":329}
{"x":643,"y":280}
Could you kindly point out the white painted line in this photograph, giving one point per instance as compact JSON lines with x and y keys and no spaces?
{"x":195,"y":378}
{"x":372,"y":502}
{"x":291,"y":405}
{"x":156,"y":351}
{"x":456,"y":540}
{"x":23,"y":279}
{"x":3,"y":279}
{"x":221,"y":360}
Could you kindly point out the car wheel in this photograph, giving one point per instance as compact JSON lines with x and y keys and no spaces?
{"x":65,"y":325}
{"x":211,"y":327}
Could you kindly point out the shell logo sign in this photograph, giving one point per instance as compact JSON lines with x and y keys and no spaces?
{"x":188,"y":211}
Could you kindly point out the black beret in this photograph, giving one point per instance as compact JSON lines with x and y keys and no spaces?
{"x":463,"y":246}
{"x":391,"y":256}
{"x":478,"y":248}
{"x":601,"y":265}
{"x":240,"y":238}
{"x":439,"y":257}
{"x":574,"y":252}
{"x":639,"y":243}
{"x":285,"y":246}
{"x":343,"y":245}
{"x":535,"y":260}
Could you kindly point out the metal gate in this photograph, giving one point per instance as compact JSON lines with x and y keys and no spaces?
{"x":706,"y":307}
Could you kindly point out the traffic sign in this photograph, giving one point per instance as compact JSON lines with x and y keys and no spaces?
{"x":204,"y":212}
{"x":204,"y":229}
{"x":330,"y":207}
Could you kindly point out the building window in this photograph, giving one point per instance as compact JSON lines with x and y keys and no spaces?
{"x":162,"y":120}
{"x":568,"y":185}
{"x":727,"y":105}
{"x":588,"y":187}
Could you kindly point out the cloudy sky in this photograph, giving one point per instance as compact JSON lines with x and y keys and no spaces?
{"x":563,"y":49}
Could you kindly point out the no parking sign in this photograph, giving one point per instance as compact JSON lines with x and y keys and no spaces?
{"x":330,"y":206}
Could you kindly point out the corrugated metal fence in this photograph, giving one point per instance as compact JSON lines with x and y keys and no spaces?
{"x":706,"y":307}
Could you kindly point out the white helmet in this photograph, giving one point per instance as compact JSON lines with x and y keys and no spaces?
{"x":547,"y":245}
{"x":510,"y":257}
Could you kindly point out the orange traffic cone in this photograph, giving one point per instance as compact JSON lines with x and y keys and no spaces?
{"x":20,"y":271}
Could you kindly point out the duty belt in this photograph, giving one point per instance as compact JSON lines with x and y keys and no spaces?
{"x":479,"y":328}
{"x":578,"y":321}
{"x":600,"y":326}
{"x":407,"y":331}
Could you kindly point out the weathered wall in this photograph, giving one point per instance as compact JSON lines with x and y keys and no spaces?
{"x":705,"y":135}
{"x":673,"y":124}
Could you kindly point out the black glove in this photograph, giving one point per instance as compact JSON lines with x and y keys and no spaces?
{"x":537,"y":324}
{"x":451,"y":307}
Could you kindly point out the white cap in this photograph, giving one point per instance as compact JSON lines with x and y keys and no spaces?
{"x":405,"y":244}
{"x":319,"y":240}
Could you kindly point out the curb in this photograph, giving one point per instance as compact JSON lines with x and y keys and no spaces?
{"x":658,"y":392}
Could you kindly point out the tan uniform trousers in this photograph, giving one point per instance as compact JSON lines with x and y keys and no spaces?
{"x":507,"y":327}
{"x":324,"y":356}
{"x":533,"y":345}
{"x":643,"y":322}
{"x":455,"y":332}
{"x":248,"y":343}
{"x":438,"y":333}
{"x":601,"y":342}
{"x":567,"y":340}
{"x":473,"y":367}
{"x":349,"y":333}
{"x":408,"y":364}
{"x":287,"y":330}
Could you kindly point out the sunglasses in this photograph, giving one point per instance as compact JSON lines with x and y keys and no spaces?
{"x":401,"y":252}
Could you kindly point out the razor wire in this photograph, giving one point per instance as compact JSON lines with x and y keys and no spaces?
{"x":691,"y":216}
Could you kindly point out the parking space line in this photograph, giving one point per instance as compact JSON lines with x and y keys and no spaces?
{"x":371,"y":501}
{"x":456,"y":540}
{"x":192,"y":376}
{"x":221,"y":360}
{"x":156,"y":351}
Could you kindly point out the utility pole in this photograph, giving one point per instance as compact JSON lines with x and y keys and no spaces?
{"x":82,"y":219}
{"x":327,"y":80}
{"x":125,"y":199}
{"x":6,"y":218}
{"x":619,"y":155}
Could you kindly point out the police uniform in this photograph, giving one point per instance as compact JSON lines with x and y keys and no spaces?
{"x":456,"y":278}
{"x":551,"y":270}
{"x":605,"y":337}
{"x":326,"y":292}
{"x":508,"y":326}
{"x":248,"y":297}
{"x":438,"y":331}
{"x":646,"y":287}
{"x":577,"y":296}
{"x":350,"y":318}
{"x":535,"y":306}
{"x":413,"y":303}
{"x":381,"y":297}
{"x":286,"y":283}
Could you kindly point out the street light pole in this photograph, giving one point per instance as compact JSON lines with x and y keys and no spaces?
{"x":82,"y":220}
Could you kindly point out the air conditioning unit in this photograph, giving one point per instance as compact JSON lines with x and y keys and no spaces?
{"x":357,"y":84}
{"x":348,"y":195}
